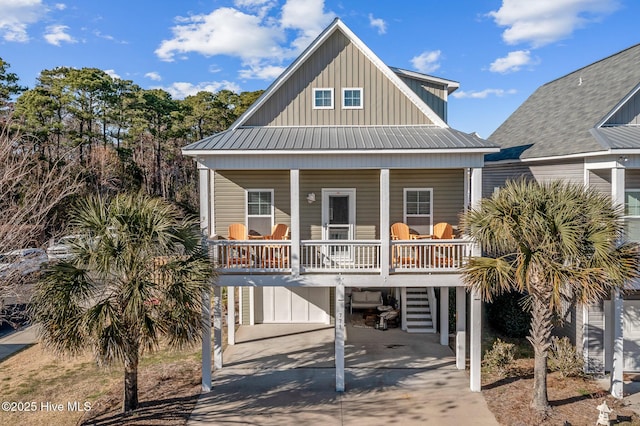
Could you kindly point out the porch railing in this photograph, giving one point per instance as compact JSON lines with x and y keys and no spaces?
{"x":251,"y":256}
{"x":429,"y":255}
{"x":343,"y":256}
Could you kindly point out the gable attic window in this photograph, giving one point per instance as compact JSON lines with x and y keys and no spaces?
{"x":352,"y":98}
{"x":322,"y":98}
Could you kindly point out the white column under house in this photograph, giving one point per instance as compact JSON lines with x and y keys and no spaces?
{"x":340,"y":336}
{"x":461,"y":324}
{"x":205,"y":231}
{"x":231,"y":315}
{"x":475,"y":352}
{"x":617,"y":385}
{"x":444,"y":316}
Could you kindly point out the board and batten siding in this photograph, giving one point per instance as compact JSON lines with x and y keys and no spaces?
{"x":367,"y":186}
{"x":629,"y":113}
{"x":448,"y":192}
{"x":337,"y":64}
{"x":431,"y":94}
{"x":495,"y":175}
{"x":230,"y":202}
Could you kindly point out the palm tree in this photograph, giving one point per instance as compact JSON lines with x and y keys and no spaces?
{"x":556,"y":242}
{"x":136,"y":279}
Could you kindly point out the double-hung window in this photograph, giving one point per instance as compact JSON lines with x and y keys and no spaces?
{"x":323,"y":98}
{"x":418,"y":209}
{"x":259,"y":211}
{"x":632,"y":214}
{"x":352,"y":98}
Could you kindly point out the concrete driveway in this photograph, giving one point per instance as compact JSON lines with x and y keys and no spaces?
{"x":391,"y":378}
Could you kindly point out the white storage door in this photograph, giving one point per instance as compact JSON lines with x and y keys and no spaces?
{"x":631,"y":335}
{"x":295,"y":305}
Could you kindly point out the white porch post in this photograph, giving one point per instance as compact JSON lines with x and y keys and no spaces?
{"x":461,"y":325}
{"x":476,"y":304}
{"x":617,"y":384}
{"x":206,"y":341}
{"x":294,"y":190}
{"x":217,"y":327}
{"x":340,"y":335}
{"x":205,"y":206}
{"x":231,"y":315}
{"x":252,"y":307}
{"x":384,"y":223}
{"x":444,"y":316}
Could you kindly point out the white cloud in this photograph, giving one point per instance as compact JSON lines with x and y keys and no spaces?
{"x":308,"y":18}
{"x":153,"y":76}
{"x":60,"y":6}
{"x":512,"y":62}
{"x":541,"y":22}
{"x":427,"y":61}
{"x":180,"y":90}
{"x":260,"y":41}
{"x":112,"y":74}
{"x":460,"y":94}
{"x":225,"y":31}
{"x":261,"y":71}
{"x":17,"y":15}
{"x":378,"y":23}
{"x":56,"y":34}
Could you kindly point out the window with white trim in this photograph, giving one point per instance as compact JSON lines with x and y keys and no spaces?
{"x":352,"y":98}
{"x":418,"y":209}
{"x":259,"y":211}
{"x":632,"y":214}
{"x":323,"y":98}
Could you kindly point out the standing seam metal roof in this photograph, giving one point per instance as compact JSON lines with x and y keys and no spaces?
{"x":339,"y":138}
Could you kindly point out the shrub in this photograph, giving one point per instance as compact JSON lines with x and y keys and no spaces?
{"x":507,"y":315}
{"x":499,"y":357}
{"x":564,"y":358}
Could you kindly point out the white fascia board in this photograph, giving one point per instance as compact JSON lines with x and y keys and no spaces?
{"x":210,"y":153}
{"x":337,"y":23}
{"x":449,"y":84}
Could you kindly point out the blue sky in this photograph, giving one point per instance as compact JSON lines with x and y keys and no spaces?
{"x":499,"y":50}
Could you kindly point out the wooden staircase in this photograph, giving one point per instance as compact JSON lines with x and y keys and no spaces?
{"x":419,"y":309}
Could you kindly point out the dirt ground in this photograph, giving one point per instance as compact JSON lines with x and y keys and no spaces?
{"x":573,"y":400}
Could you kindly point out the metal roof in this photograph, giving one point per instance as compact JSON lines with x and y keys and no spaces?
{"x":556,"y":119}
{"x":618,"y":137}
{"x":340,"y":138}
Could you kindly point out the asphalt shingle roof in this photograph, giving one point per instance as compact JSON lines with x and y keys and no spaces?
{"x":557,"y":118}
{"x":340,"y":138}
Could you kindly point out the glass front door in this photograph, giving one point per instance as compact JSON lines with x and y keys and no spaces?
{"x":338,"y":223}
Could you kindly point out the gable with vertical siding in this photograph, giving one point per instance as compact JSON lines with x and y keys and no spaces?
{"x":627,"y":114}
{"x":338,"y":63}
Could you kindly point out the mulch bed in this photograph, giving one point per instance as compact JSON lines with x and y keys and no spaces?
{"x":573,"y":399}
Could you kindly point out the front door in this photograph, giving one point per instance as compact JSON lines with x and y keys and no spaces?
{"x":338,"y":218}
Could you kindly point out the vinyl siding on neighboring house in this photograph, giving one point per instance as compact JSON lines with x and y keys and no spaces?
{"x":495,"y":175}
{"x":600,"y":180}
{"x":230,"y":201}
{"x":632,"y":179}
{"x":448,"y":192}
{"x":629,"y":113}
{"x":337,"y":64}
{"x":594,"y":338}
{"x":246,"y":305}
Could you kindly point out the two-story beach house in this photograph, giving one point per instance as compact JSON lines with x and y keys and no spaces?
{"x":584,"y":127}
{"x":343,"y":176}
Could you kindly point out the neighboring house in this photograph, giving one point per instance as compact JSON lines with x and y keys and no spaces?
{"x":338,"y":149}
{"x":585,"y":128}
